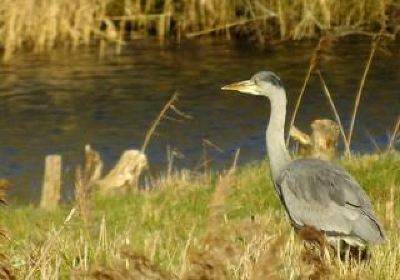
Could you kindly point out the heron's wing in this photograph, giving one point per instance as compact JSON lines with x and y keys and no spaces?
{"x":317,"y":193}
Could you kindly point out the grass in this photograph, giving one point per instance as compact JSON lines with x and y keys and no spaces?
{"x":189,"y":226}
{"x":43,"y":25}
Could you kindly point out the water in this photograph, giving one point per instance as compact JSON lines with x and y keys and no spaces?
{"x":59,"y":102}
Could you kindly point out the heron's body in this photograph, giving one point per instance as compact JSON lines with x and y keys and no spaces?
{"x":319,"y":194}
{"x":315,"y":193}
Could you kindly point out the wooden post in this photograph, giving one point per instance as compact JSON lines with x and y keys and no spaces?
{"x":51,"y":183}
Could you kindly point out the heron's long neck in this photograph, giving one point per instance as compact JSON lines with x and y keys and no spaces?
{"x":278,"y":155}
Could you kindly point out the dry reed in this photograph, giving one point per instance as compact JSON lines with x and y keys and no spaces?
{"x":156,"y":122}
{"x":40,"y":26}
{"x":335,"y":112}
{"x":374,"y":46}
{"x":217,"y":202}
{"x":210,"y":262}
{"x":219,"y":249}
{"x":136,"y":266}
{"x":311,"y":67}
{"x":6,"y":270}
{"x":394,"y":135}
{"x":48,"y":246}
{"x":267,"y":264}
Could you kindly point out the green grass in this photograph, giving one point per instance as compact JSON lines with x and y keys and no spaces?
{"x":172,"y":228}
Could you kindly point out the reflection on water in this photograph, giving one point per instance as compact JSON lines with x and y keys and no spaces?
{"x":60,"y":102}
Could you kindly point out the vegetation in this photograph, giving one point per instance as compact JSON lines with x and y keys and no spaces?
{"x":42,"y":25}
{"x":190,"y":225}
{"x":193,"y":226}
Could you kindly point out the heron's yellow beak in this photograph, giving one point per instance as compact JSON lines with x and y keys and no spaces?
{"x":247,"y":86}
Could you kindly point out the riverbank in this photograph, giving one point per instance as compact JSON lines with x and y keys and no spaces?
{"x":192,"y":225}
{"x":41,"y":26}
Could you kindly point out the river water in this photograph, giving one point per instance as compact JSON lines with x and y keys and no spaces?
{"x":57,"y":103}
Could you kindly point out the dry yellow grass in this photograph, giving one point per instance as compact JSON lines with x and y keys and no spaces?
{"x":135,"y":266}
{"x":42,"y":25}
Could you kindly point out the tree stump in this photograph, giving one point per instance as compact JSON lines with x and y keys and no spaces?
{"x":322,"y":143}
{"x":125,"y":174}
{"x":52,"y":183}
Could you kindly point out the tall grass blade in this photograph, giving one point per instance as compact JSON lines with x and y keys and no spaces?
{"x":335,"y":112}
{"x":394,"y":135}
{"x":374,"y":46}
{"x":156,"y":122}
{"x":311,"y":67}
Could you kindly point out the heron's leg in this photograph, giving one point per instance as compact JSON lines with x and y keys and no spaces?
{"x":338,"y":249}
{"x":347,"y":254}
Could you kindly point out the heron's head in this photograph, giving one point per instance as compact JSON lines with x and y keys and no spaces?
{"x":264,"y":83}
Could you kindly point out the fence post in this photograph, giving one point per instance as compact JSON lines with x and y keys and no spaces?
{"x":51,"y":183}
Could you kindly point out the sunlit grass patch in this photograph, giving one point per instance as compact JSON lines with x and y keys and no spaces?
{"x":228,"y":226}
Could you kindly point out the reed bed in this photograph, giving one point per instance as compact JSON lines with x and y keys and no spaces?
{"x":42,"y":25}
{"x":229,"y":226}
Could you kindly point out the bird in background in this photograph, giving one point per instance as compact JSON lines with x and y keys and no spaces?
{"x":314,"y":193}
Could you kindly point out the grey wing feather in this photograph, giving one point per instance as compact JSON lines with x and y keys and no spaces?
{"x":317,"y":193}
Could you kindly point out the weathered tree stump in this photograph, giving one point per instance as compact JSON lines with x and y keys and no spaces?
{"x":125,"y":174}
{"x":323,"y":141}
{"x":52,"y":183}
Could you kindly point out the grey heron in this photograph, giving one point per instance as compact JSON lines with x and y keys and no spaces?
{"x":314,"y":193}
